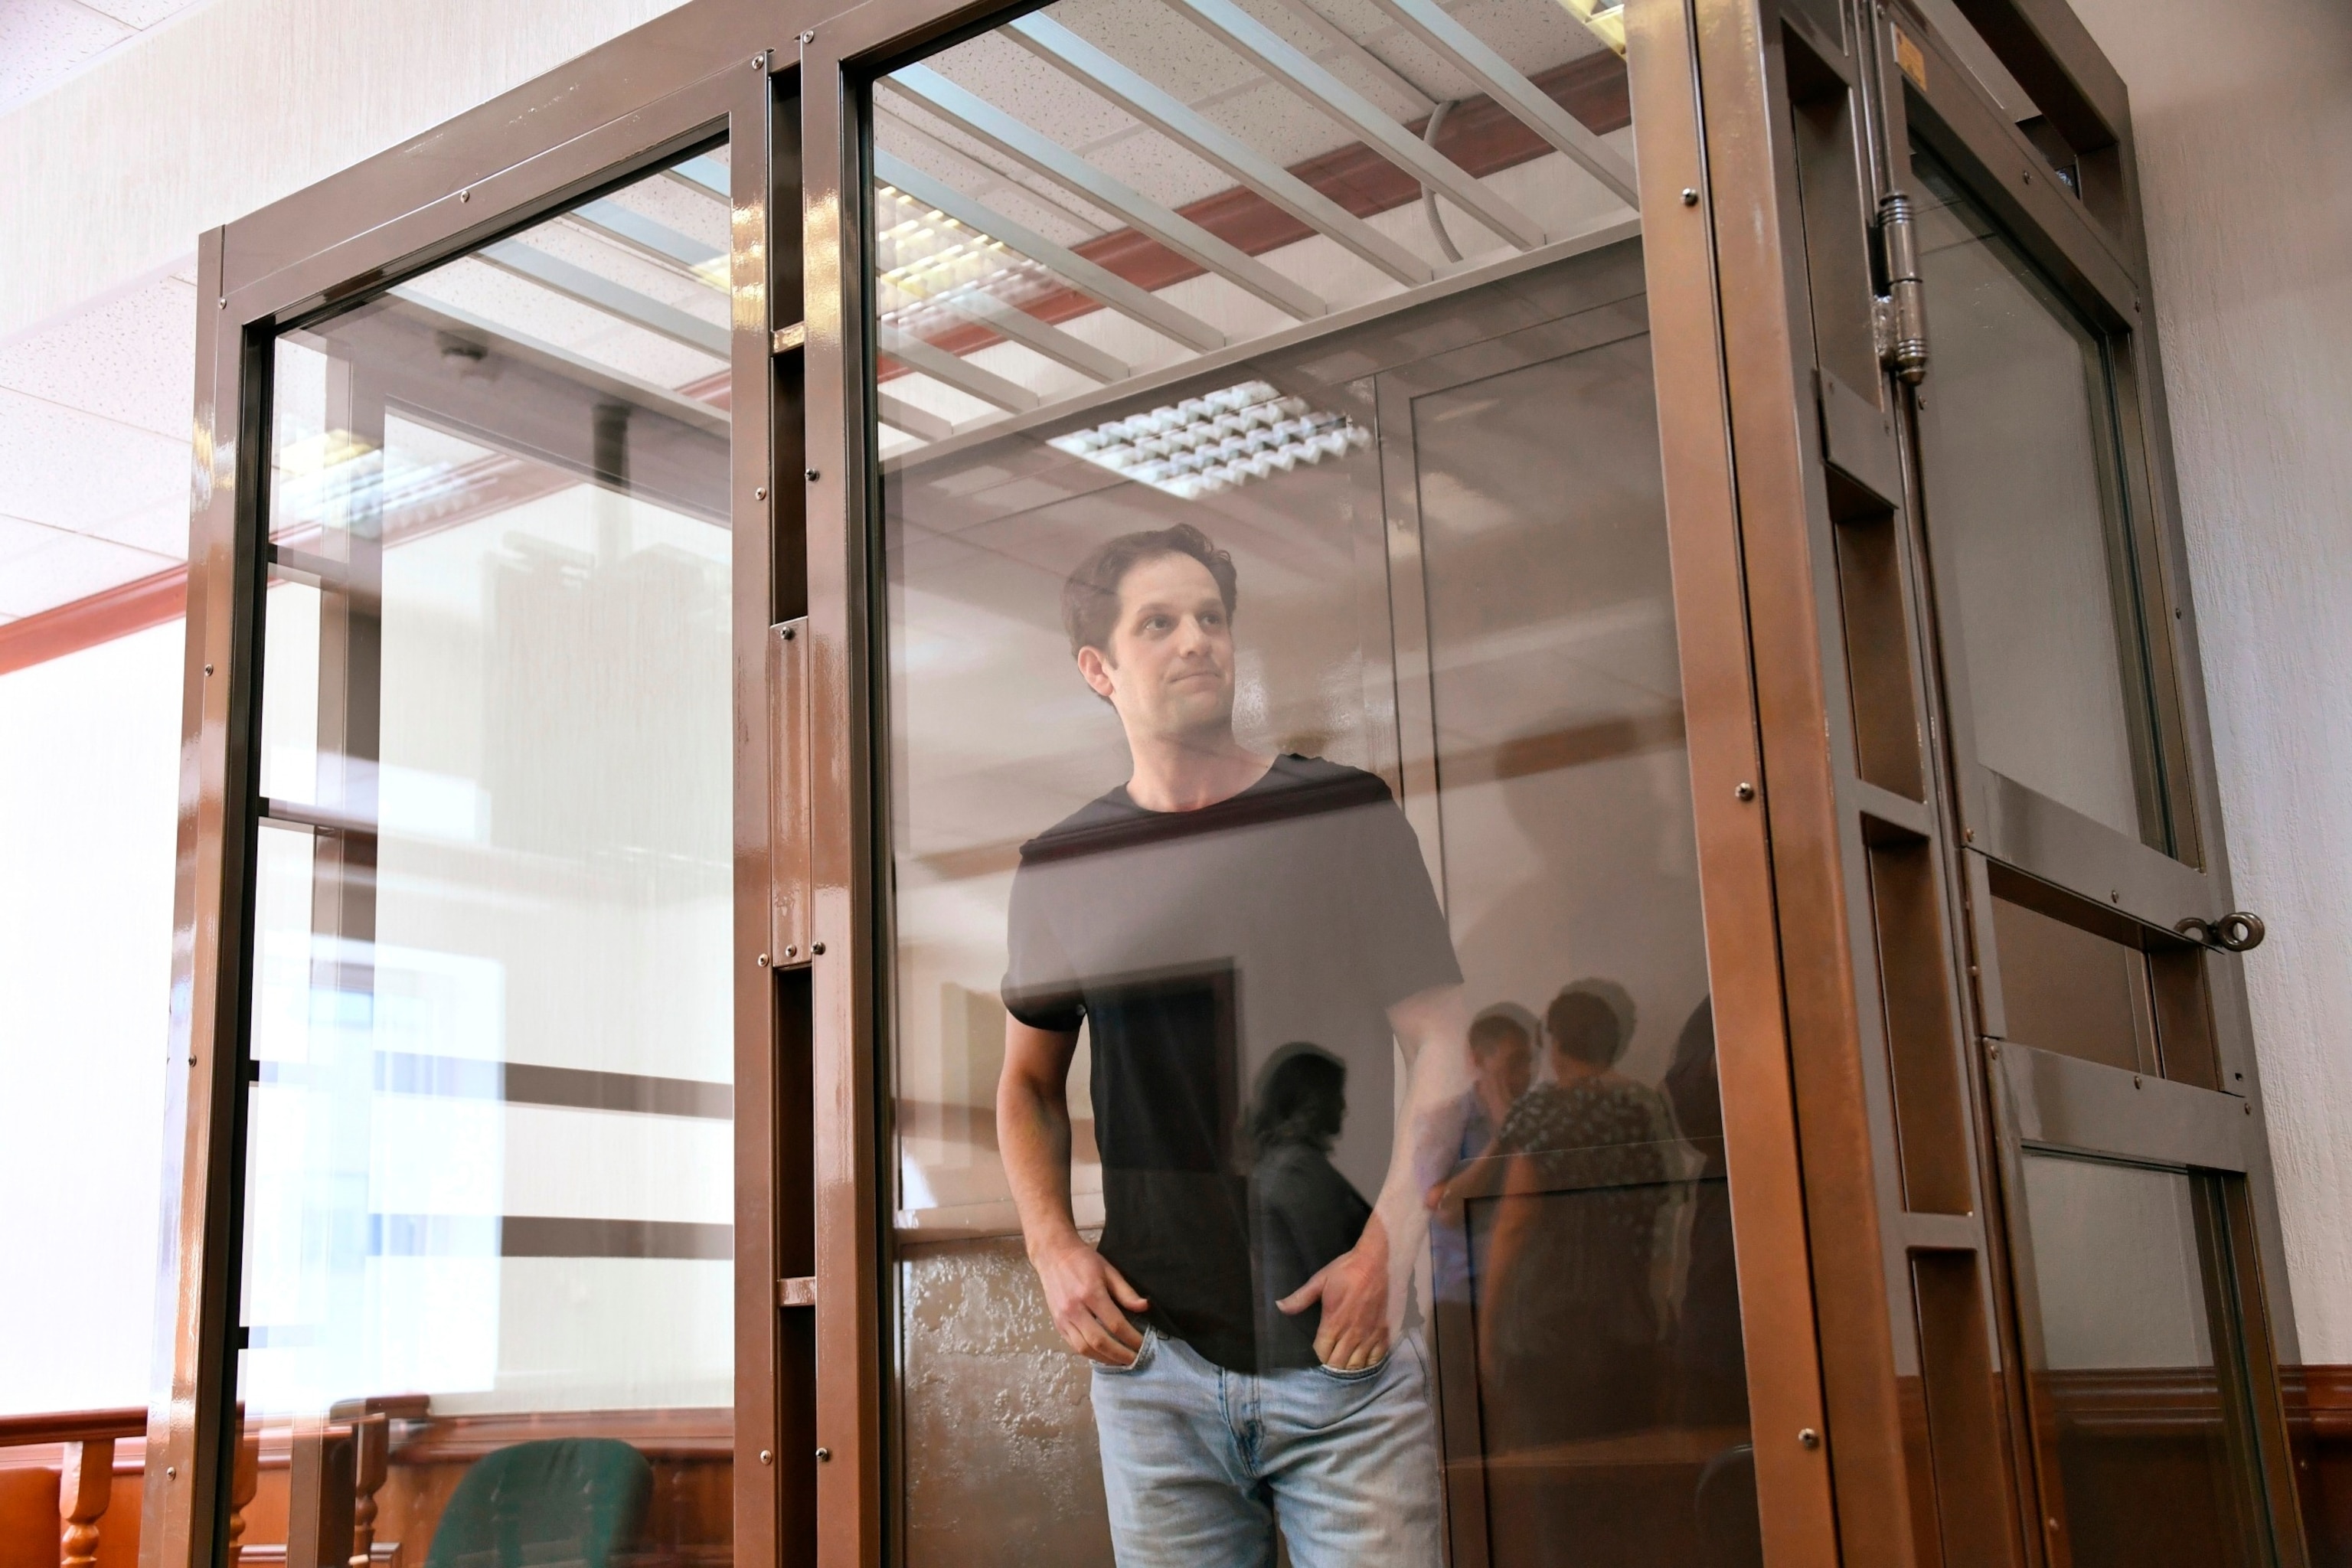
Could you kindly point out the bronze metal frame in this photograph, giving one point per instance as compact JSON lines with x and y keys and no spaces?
{"x":2089,"y":239}
{"x":1836,"y":891}
{"x":1881,"y":838}
{"x":674,"y":83}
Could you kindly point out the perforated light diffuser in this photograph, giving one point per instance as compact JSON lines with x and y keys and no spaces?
{"x":1219,"y":442}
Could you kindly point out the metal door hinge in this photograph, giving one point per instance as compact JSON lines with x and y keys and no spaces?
{"x":1899,"y":317}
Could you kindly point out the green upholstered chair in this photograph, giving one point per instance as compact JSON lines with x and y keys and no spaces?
{"x":550,"y":1504}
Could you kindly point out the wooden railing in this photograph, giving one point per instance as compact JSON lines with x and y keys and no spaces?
{"x":85,"y":1469}
{"x":422,"y":1459}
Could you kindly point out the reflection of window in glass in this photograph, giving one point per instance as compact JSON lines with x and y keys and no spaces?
{"x":2024,"y":493}
{"x":1449,"y":743}
{"x":489,"y":1174}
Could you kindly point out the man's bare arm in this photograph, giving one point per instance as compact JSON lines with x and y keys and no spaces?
{"x":1089,"y":1299}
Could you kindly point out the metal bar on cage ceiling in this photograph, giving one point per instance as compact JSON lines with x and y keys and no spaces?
{"x":1352,"y":48}
{"x":1172,"y":118}
{"x":1527,"y":103}
{"x":975,"y":116}
{"x":978,"y":304}
{"x":1259,"y":44}
{"x":611,"y":220}
{"x":602,"y":294}
{"x":963,"y":157}
{"x":1097,"y":282}
{"x":966,"y":377}
{"x":920,"y":422}
{"x":704,"y":173}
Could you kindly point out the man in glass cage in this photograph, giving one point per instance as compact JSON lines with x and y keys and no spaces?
{"x":1248,"y":941}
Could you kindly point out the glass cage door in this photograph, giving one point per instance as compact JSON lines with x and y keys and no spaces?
{"x":1303,"y":1126}
{"x":486,"y":1296}
{"x":2112,"y":1031}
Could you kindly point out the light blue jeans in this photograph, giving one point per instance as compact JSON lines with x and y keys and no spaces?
{"x":1198,"y":1462}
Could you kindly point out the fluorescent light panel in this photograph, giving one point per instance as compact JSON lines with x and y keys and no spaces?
{"x":1218,"y":442}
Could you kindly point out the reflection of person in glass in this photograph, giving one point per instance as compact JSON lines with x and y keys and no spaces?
{"x":1571,"y":1287}
{"x":1503,"y":1063}
{"x":1219,"y":905}
{"x":1303,"y":1212}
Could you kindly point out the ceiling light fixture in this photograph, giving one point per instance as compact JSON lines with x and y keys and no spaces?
{"x":1217,"y":442}
{"x":1604,"y":18}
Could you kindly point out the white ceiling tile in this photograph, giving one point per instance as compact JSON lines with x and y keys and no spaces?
{"x":58,"y":568}
{"x":161,"y":527}
{"x":74,"y":470}
{"x":19,"y":538}
{"x":131,"y":358}
{"x":138,"y":13}
{"x":42,"y":40}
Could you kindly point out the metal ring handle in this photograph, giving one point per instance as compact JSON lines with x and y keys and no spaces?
{"x":2241,"y":931}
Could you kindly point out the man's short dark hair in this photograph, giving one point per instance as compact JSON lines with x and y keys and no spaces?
{"x":1504,"y":1021}
{"x":1090,"y":597}
{"x":1302,"y":1097}
{"x":1588,"y":1023}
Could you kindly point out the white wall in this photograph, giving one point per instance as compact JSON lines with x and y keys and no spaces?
{"x":2244,"y":121}
{"x":231,"y":105}
{"x":89,"y":765}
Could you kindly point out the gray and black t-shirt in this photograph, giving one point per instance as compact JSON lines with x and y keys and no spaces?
{"x":1195,"y":945}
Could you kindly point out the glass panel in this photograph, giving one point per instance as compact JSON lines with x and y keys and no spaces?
{"x":1105,"y":188}
{"x":2066,"y":989}
{"x":2022,"y":472}
{"x":2133,"y":1416}
{"x":488,"y":1297}
{"x":1297,"y":747}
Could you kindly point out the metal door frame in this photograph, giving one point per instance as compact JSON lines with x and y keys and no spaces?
{"x":2089,"y":242}
{"x":1876,"y":888}
{"x":681,"y":81}
{"x":1799,"y":1521}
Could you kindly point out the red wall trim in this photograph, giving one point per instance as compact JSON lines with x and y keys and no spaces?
{"x":102,"y":616}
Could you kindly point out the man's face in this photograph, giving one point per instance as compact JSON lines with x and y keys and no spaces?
{"x":1168,"y":669}
{"x":1507,"y":1066}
